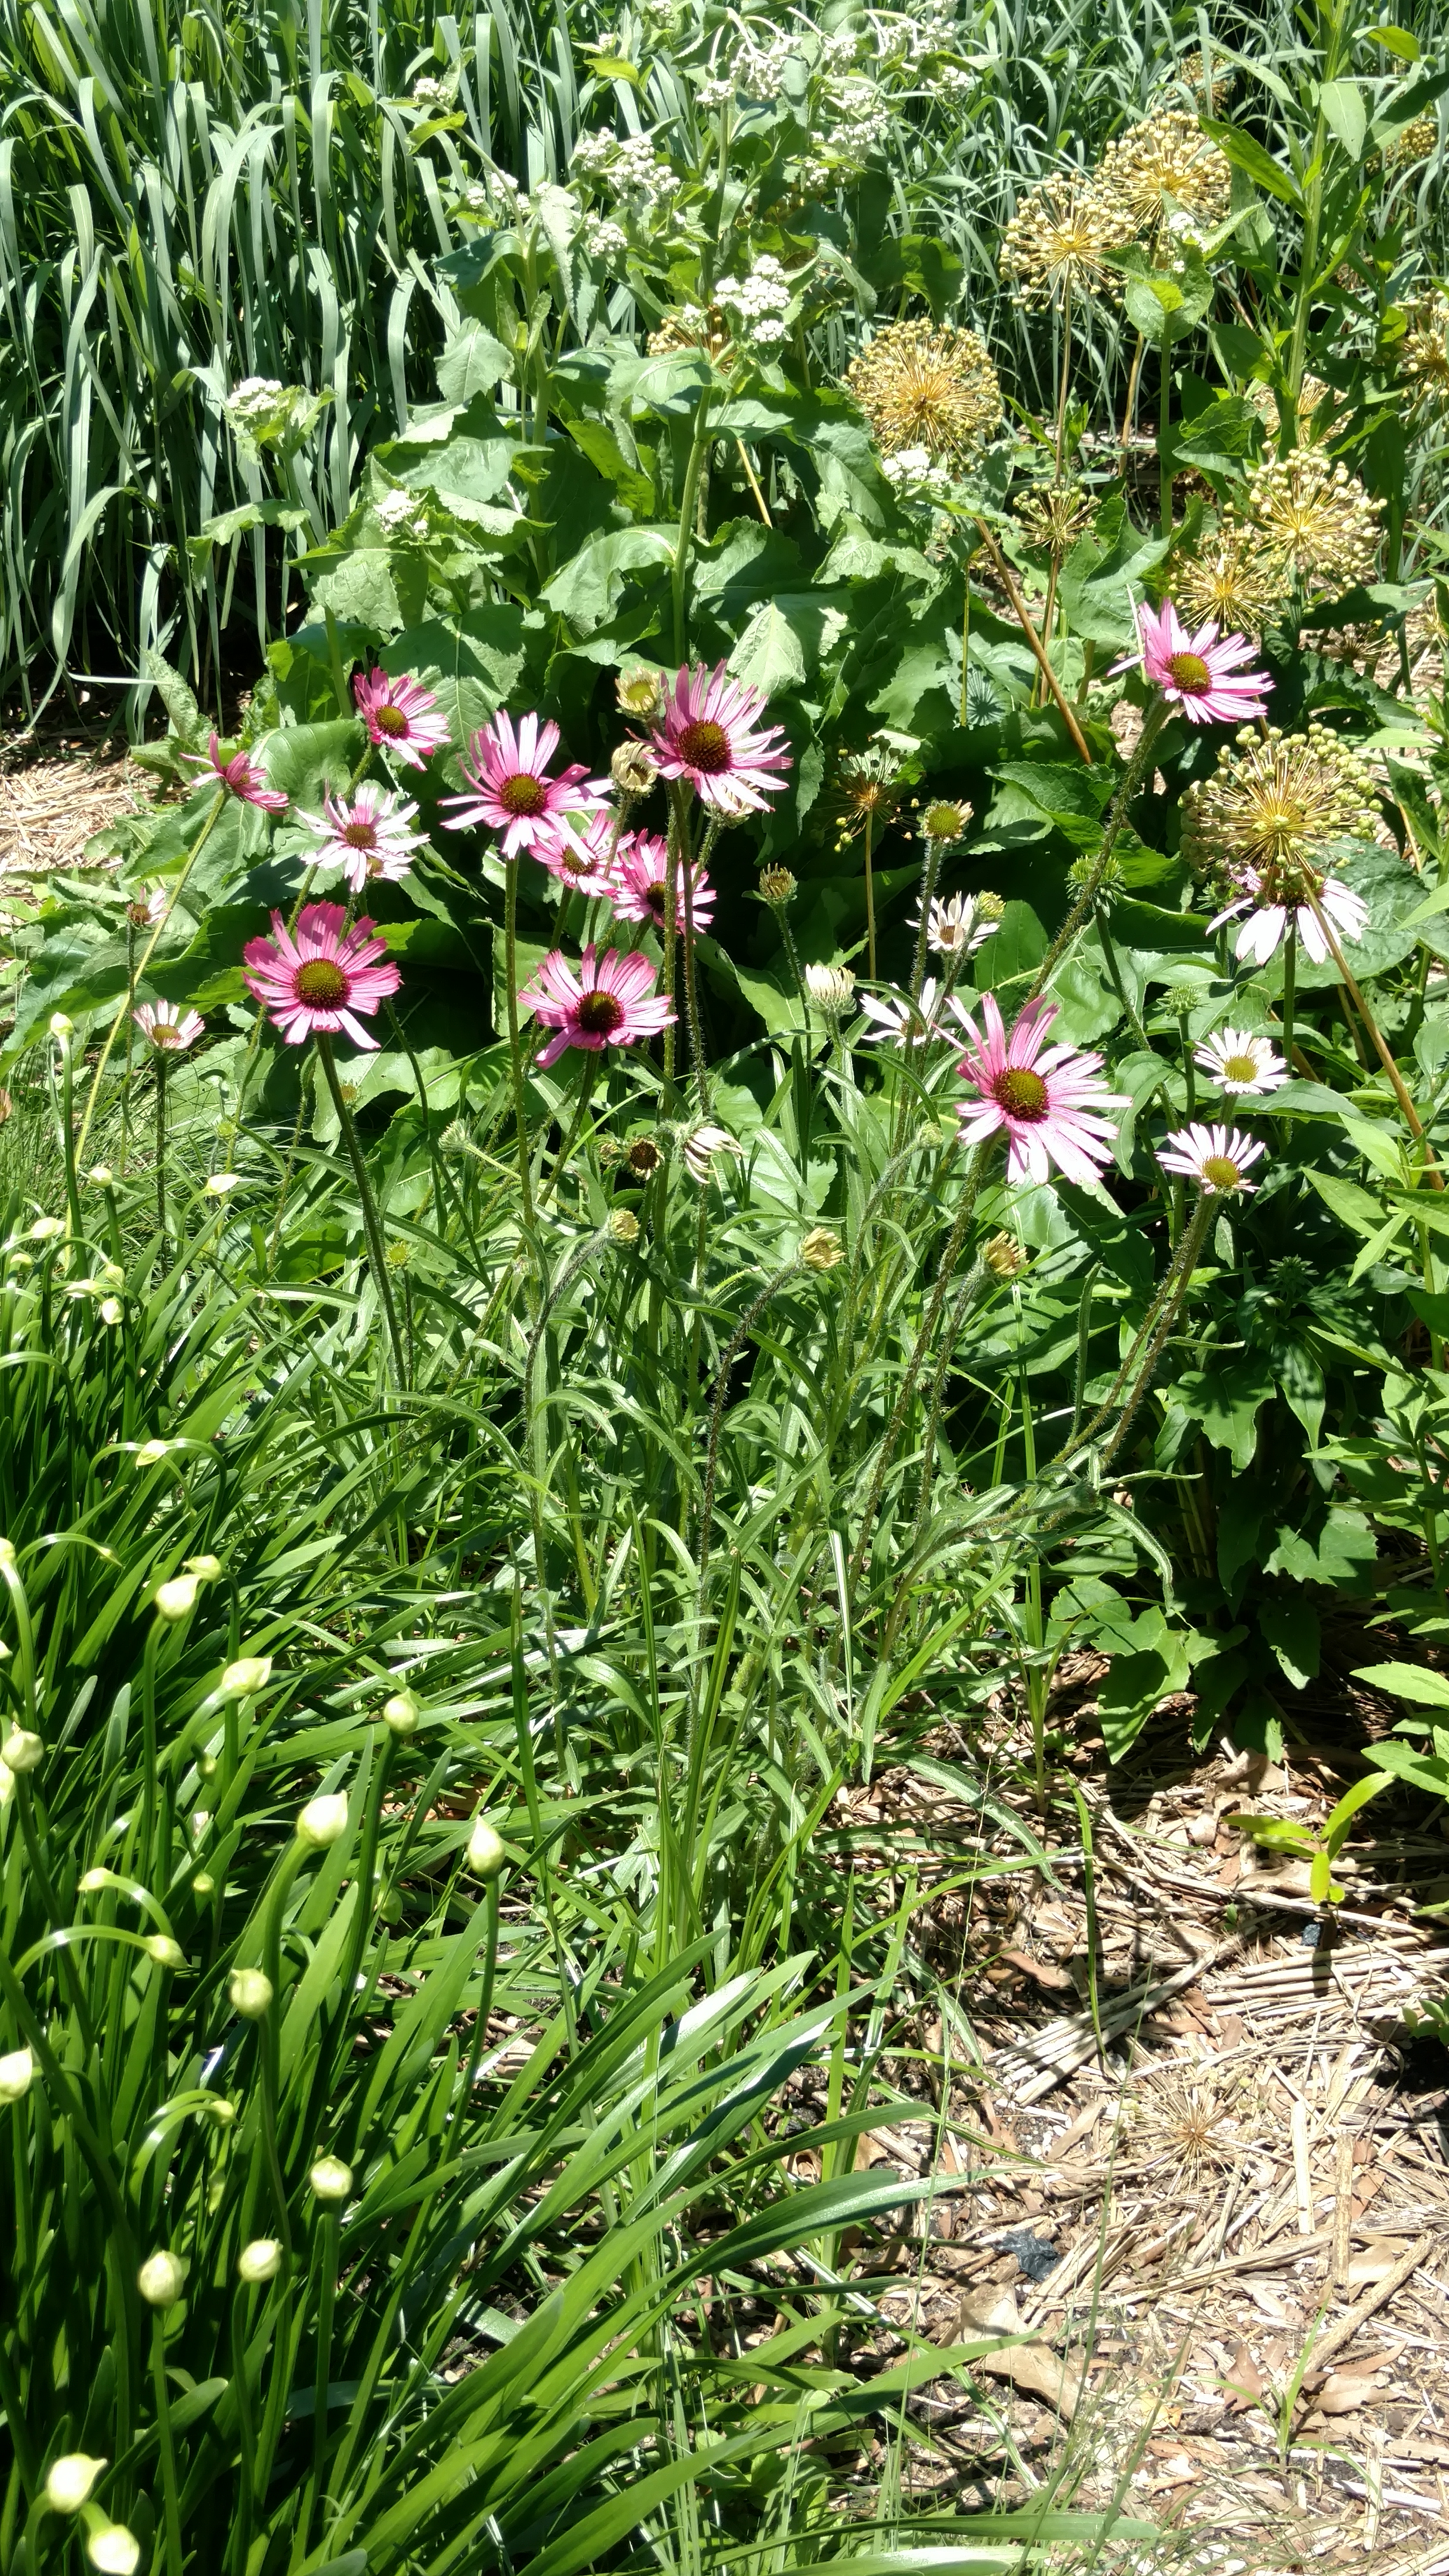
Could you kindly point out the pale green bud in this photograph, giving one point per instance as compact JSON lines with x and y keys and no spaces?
{"x":161,"y":2280}
{"x":22,"y":1750}
{"x":401,"y":1713}
{"x":331,"y":2179}
{"x":259,"y":2261}
{"x":46,"y":1228}
{"x":249,"y":1673}
{"x":205,"y":1568}
{"x":101,"y":1175}
{"x":485,"y":1854}
{"x":221,"y":1184}
{"x":110,"y":1310}
{"x":113,"y":2549}
{"x":60,"y":1026}
{"x":69,"y":2480}
{"x":17,"y":2074}
{"x":166,"y":1952}
{"x":174,"y":1599}
{"x":250,"y":1992}
{"x":323,"y":1821}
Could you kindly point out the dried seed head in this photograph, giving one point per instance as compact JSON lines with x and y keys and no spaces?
{"x":1415,"y":142}
{"x":867,"y":791}
{"x":1272,"y":809}
{"x":1231,"y":580}
{"x":643,"y":1157}
{"x":920,"y":386}
{"x":1054,"y":515}
{"x":1165,"y":179}
{"x":1319,"y":524}
{"x":822,"y":1249}
{"x":1424,"y":352}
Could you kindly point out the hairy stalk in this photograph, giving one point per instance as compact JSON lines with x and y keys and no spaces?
{"x":691,"y":992}
{"x":515,"y":1055}
{"x":680,"y":567}
{"x":733,"y":1348}
{"x":1116,"y":817}
{"x":1411,"y":1116}
{"x":133,"y":981}
{"x":1192,"y":1244}
{"x":372,"y":1230}
{"x":587,"y":1075}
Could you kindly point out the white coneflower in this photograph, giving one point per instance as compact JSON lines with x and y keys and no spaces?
{"x":1237,"y":1061}
{"x":1217,"y":1158}
{"x":899,"y":1020}
{"x":702,"y":1145}
{"x":959,"y":925}
{"x":830,"y":989}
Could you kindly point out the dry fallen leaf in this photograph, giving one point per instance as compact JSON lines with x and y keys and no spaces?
{"x":1243,"y":2381}
{"x":1032,"y":2366}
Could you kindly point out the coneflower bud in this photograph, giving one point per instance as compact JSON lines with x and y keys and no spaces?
{"x":624,"y":1225}
{"x":485,"y":1854}
{"x":161,"y":2280}
{"x":113,"y":2549}
{"x":643,"y":1157}
{"x":248,"y":1674}
{"x":174,"y":1599}
{"x":945,"y":819}
{"x":821,"y":1249}
{"x":17,"y":2074}
{"x":633,"y":771}
{"x":69,"y":2480}
{"x":331,"y":2179}
{"x":990,"y":907}
{"x":1003,"y":1256}
{"x":776,"y":887}
{"x":259,"y":2261}
{"x":323,"y":1821}
{"x":250,"y":1992}
{"x":830,"y":989}
{"x":640,"y":693}
{"x":400,"y":1714}
{"x":22,"y":1750}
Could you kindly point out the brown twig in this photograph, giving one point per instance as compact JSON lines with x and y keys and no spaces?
{"x":1022,"y":615}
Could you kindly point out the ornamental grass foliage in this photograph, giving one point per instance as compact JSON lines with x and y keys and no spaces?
{"x":793,"y":1059}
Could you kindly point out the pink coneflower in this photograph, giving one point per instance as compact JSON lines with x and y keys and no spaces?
{"x":707,"y":734}
{"x":641,"y":882}
{"x":169,"y":1030}
{"x":1215,"y":1157}
{"x":513,"y":792}
{"x":1049,"y":1100}
{"x":1201,"y":675}
{"x":582,"y":857}
{"x":610,"y":1002}
{"x":316,"y":982}
{"x":1262,"y":933}
{"x":401,"y":716}
{"x":368,"y":838}
{"x":1237,"y":1061}
{"x":239,"y":776}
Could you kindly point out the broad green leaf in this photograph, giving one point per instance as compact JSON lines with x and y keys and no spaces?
{"x":1290,"y":1625}
{"x":1345,"y":113}
{"x":1417,"y":1682}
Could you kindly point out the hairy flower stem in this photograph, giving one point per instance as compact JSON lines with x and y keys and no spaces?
{"x":586,"y":1084}
{"x":1411,"y":1116}
{"x":869,"y":897}
{"x":1173,"y":1279}
{"x":567,"y":1273}
{"x":1164,"y":413}
{"x":134,"y":979}
{"x":955,"y":1243}
{"x":733,"y":1348}
{"x":680,"y":567}
{"x":1116,"y":817}
{"x":1020,"y":612}
{"x":930,"y":870}
{"x":161,"y":1141}
{"x":515,"y":1053}
{"x":372,"y":1230}
{"x":1113,"y":964}
{"x":1192,"y":1244}
{"x":691,"y":991}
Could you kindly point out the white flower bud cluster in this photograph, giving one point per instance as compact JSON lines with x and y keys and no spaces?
{"x":434,"y":96}
{"x":400,"y":514}
{"x":916,"y":476}
{"x":758,"y":301}
{"x":602,"y":238}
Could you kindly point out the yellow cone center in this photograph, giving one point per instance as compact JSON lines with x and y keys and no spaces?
{"x":1189,"y":671}
{"x":1022,"y":1094}
{"x":1239,"y":1068}
{"x":1221,"y":1173}
{"x":390,"y":720}
{"x":523,"y":794}
{"x":322,"y":983}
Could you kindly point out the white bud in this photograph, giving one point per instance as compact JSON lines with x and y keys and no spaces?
{"x":249,"y":1673}
{"x":161,"y":2280}
{"x":175,"y":1598}
{"x":113,"y":2549}
{"x":220,"y":2112}
{"x":400,"y":1713}
{"x":250,"y":1992}
{"x":485,"y":1854}
{"x":205,"y":1568}
{"x":331,"y":2179}
{"x":60,"y":1026}
{"x":17,"y":2074}
{"x":101,"y":1174}
{"x":221,"y":1184}
{"x":151,"y":1452}
{"x":46,"y":1228}
{"x":69,"y":2480}
{"x":166,"y":1952}
{"x":110,"y":1310}
{"x":7,"y":1785}
{"x":203,"y":1883}
{"x":95,"y":1879}
{"x":259,"y":2261}
{"x":323,"y":1821}
{"x":22,"y":1750}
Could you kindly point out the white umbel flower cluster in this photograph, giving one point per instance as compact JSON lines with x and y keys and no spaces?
{"x":758,"y":303}
{"x":917,"y":476}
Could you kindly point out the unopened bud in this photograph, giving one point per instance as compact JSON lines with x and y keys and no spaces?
{"x":46,"y":1228}
{"x":331,"y":2179}
{"x":776,"y":887}
{"x":400,"y":1714}
{"x":7,"y":1785}
{"x":633,"y":770}
{"x":221,"y":1184}
{"x":624,"y":1225}
{"x":205,"y":1568}
{"x":161,"y":2280}
{"x":259,"y":2261}
{"x":485,"y":1854}
{"x":151,"y":1452}
{"x":113,"y":2549}
{"x":101,"y":1175}
{"x":821,"y":1249}
{"x":1003,"y":1256}
{"x":640,"y":693}
{"x":220,"y":2112}
{"x":250,"y":1992}
{"x":203,"y":1883}
{"x":69,"y":2480}
{"x":17,"y":2074}
{"x":322,"y":1822}
{"x":175,"y":1598}
{"x":249,"y":1673}
{"x":990,"y":907}
{"x":22,"y":1750}
{"x":166,"y":1952}
{"x":60,"y":1026}
{"x":110,"y":1310}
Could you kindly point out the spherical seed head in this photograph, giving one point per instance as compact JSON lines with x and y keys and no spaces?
{"x":17,"y":2074}
{"x":1054,"y":515}
{"x":1182,"y":999}
{"x":485,"y":1854}
{"x":776,"y":887}
{"x":920,"y":386}
{"x":22,"y":1750}
{"x":867,"y":790}
{"x":166,"y":1952}
{"x":322,"y":1822}
{"x":174,"y":1599}
{"x":1003,"y":1256}
{"x":1424,"y":353}
{"x":259,"y":2261}
{"x":822,"y":1248}
{"x":643,"y":1157}
{"x":161,"y":2280}
{"x":1414,"y":142}
{"x":1272,"y":810}
{"x":113,"y":2549}
{"x":1230,"y":580}
{"x":640,"y":694}
{"x":330,"y":2179}
{"x":1053,"y":245}
{"x":633,"y":770}
{"x":69,"y":2480}
{"x":1318,"y":523}
{"x":248,"y":1674}
{"x":1164,"y":170}
{"x":624,"y":1225}
{"x":250,"y":1992}
{"x":400,"y":1714}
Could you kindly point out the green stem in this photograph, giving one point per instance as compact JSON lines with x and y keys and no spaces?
{"x":166,"y":2444}
{"x":161,"y":1142}
{"x":586,"y":1084}
{"x":67,"y":1133}
{"x":1117,"y":815}
{"x":691,"y":991}
{"x":133,"y":981}
{"x":870,"y":880}
{"x":680,"y":568}
{"x":515,"y":1055}
{"x":1192,"y":1244}
{"x":1290,"y":985}
{"x":371,"y":1228}
{"x":1164,"y":414}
